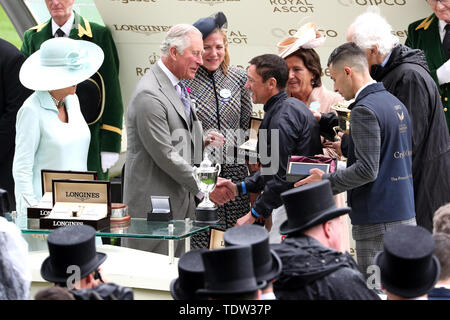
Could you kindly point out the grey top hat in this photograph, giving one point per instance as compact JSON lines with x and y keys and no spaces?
{"x":407,"y":265}
{"x":308,"y":206}
{"x":266,"y":262}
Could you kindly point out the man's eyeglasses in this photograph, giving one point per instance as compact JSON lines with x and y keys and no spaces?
{"x":434,"y":2}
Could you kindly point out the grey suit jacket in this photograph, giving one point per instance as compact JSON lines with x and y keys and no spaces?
{"x":161,"y":150}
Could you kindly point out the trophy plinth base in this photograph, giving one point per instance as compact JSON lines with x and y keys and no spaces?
{"x":206,"y":216}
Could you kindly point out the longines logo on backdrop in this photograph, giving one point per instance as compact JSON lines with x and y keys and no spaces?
{"x":144,"y":29}
{"x":348,"y":3}
{"x":292,"y":6}
{"x":130,"y":1}
{"x":236,"y":37}
{"x":152,"y":60}
{"x":210,"y":2}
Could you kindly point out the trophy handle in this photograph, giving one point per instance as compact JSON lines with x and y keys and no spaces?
{"x":218,"y":168}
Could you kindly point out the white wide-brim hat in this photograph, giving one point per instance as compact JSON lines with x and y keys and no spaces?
{"x":61,"y":63}
{"x":306,"y":37}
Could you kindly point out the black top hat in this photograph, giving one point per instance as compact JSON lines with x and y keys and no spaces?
{"x":407,"y":265}
{"x":207,"y":25}
{"x":190,"y":276}
{"x":91,"y":94}
{"x":71,"y":246}
{"x":308,"y":206}
{"x":229,"y":271}
{"x":266,"y":262}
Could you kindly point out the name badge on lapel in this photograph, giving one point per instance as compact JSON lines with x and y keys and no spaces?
{"x":225,"y":95}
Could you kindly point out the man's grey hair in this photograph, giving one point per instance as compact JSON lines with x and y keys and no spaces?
{"x":441,"y":219}
{"x":178,"y":36}
{"x":371,"y":29}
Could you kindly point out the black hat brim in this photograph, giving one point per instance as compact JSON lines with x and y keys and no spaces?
{"x":275,"y":269}
{"x":319,"y":219}
{"x":51,"y":275}
{"x":179,"y":294}
{"x":259,"y":285}
{"x":409,"y":293}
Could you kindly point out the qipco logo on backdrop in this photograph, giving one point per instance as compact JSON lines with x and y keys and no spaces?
{"x":363,"y":3}
{"x":281,"y":33}
{"x":292,"y":6}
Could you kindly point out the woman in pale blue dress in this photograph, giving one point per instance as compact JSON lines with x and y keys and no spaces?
{"x":51,"y":132}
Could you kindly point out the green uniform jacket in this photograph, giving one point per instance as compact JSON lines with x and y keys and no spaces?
{"x":424,"y":35}
{"x":106,"y":133}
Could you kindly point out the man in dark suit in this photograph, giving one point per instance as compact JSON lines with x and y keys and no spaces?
{"x":12,"y":96}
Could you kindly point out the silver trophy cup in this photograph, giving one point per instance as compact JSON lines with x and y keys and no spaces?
{"x":206,"y":177}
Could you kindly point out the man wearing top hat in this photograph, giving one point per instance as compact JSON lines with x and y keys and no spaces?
{"x":266,"y":262}
{"x":313,"y":268}
{"x":378,"y":176}
{"x":105,"y":123}
{"x":408,"y":267}
{"x":229,"y":274}
{"x":74,"y":263}
{"x":190,"y":276}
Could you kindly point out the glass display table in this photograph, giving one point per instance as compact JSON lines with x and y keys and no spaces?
{"x":141,"y":228}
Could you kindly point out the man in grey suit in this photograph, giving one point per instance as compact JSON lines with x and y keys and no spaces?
{"x":165,"y":137}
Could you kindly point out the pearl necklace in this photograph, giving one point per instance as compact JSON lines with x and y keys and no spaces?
{"x":58,"y":102}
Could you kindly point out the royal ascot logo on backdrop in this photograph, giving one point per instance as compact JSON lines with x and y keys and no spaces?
{"x":209,"y":2}
{"x":133,"y":1}
{"x":236,"y":37}
{"x":141,"y":28}
{"x":152,"y":60}
{"x":292,"y":6}
{"x":348,"y":3}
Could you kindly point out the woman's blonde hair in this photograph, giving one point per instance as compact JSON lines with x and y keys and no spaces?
{"x":226,"y":60}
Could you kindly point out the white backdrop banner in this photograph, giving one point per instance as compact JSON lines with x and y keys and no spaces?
{"x":254,"y":26}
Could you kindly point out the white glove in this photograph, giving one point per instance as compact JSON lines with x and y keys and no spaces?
{"x":108,"y":159}
{"x":443,"y":73}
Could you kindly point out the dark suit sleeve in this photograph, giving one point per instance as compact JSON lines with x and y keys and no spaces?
{"x":326,"y":123}
{"x":292,"y":139}
{"x":13,"y":95}
{"x":111,"y":122}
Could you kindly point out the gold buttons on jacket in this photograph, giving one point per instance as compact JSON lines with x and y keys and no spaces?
{"x":445,"y":109}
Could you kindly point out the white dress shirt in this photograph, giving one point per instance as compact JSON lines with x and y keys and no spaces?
{"x":66,"y":27}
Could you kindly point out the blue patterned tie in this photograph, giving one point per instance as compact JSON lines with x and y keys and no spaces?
{"x":184,"y":96}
